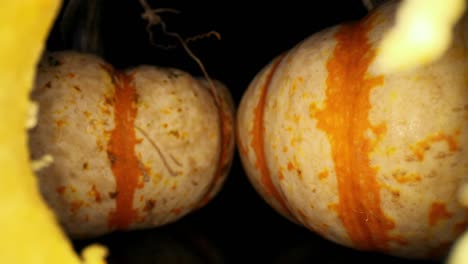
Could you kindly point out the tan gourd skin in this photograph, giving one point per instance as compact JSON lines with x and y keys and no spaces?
{"x":369,"y":161}
{"x":134,"y":149}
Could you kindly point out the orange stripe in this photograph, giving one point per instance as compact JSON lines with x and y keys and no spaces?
{"x":258,"y":141}
{"x":346,"y":123}
{"x":121,"y":152}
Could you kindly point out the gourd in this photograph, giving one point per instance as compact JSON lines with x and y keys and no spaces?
{"x":131,"y":149}
{"x":369,"y":160}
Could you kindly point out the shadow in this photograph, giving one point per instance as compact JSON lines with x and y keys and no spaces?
{"x":169,"y":244}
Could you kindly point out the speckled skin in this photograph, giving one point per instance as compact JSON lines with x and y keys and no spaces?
{"x":184,"y":143}
{"x":368,"y":161}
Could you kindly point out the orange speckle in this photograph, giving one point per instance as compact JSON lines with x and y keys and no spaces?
{"x":121,"y":152}
{"x":177,"y":210}
{"x":60,"y":122}
{"x":257,"y":143}
{"x":149,"y":205}
{"x":323,"y":175}
{"x":77,"y":88}
{"x":174,"y":186}
{"x":420,"y":148}
{"x":313,"y":110}
{"x":99,"y":144}
{"x":105,"y":110}
{"x":403,"y":177}
{"x":113,"y":195}
{"x":75,"y":206}
{"x":333,"y":207}
{"x":71,"y":75}
{"x":296,"y":118}
{"x":108,"y":101}
{"x":299,"y":174}
{"x":438,"y":212}
{"x":95,"y":194}
{"x":395,"y":194}
{"x":390,"y":151}
{"x":145,"y":171}
{"x":378,"y":131}
{"x":87,"y":114}
{"x":280,"y":175}
{"x":174,"y":133}
{"x":61,"y":190}
{"x":345,"y":121}
{"x":291,"y":166}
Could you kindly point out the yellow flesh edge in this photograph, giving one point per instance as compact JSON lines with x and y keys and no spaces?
{"x":30,"y":233}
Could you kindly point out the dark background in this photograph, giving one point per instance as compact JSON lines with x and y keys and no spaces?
{"x":237,"y":226}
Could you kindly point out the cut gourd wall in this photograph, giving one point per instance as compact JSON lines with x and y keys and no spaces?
{"x":29,"y":231}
